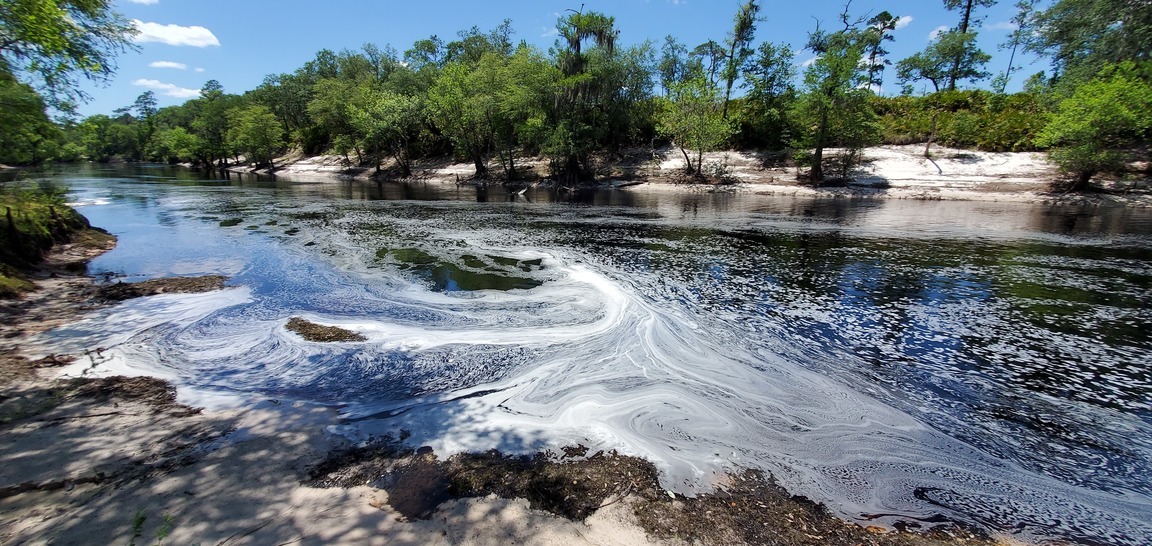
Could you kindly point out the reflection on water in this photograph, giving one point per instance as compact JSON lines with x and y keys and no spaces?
{"x":896,"y":360}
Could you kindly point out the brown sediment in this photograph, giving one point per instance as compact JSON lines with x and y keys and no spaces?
{"x":311,"y":331}
{"x":171,"y":285}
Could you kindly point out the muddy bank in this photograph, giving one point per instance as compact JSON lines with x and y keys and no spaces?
{"x":576,"y":484}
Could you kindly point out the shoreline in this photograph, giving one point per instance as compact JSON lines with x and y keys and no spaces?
{"x":118,"y":457}
{"x":884,"y":172}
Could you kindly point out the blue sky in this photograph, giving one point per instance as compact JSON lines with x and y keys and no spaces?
{"x":185,"y":43}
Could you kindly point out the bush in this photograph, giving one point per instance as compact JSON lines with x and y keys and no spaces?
{"x":964,"y":119}
{"x":31,"y":221}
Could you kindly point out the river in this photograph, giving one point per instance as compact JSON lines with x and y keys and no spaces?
{"x":898,"y":361}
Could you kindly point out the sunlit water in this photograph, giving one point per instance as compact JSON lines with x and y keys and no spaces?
{"x":897,"y":361}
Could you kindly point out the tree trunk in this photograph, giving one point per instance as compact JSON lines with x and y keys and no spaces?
{"x":1082,"y":181}
{"x":816,"y":175}
{"x":687,"y":160}
{"x":481,"y":168}
{"x":931,"y":135}
{"x":964,"y":20}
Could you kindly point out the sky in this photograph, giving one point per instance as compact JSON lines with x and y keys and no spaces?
{"x":184,"y":43}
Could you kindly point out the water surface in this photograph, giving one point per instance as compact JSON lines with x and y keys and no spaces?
{"x":896,"y":360}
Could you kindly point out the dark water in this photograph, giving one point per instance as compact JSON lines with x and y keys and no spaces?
{"x":898,"y":361}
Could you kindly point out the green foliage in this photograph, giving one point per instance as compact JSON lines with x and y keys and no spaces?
{"x":1089,"y":130}
{"x":31,"y":220}
{"x":951,"y":57}
{"x":254,"y":131}
{"x":27,"y":136}
{"x":834,"y":109}
{"x":964,"y":119}
{"x":386,"y":124}
{"x":771,"y":94}
{"x":1081,"y":37}
{"x":693,"y":117}
{"x":55,"y":42}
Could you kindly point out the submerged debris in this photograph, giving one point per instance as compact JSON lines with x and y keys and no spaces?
{"x":173,"y":285}
{"x":318,"y":332}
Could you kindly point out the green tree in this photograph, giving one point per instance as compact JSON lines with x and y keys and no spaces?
{"x":771,"y":93}
{"x":1082,"y":36}
{"x":966,"y":27}
{"x":211,"y":124}
{"x":55,"y":42}
{"x":145,"y":107}
{"x":675,"y":65}
{"x":739,"y":44}
{"x":172,"y":145}
{"x":693,"y":117}
{"x":254,"y":131}
{"x":387,"y":123}
{"x":94,"y":134}
{"x":463,"y":104}
{"x":1090,"y":130}
{"x":27,"y":136}
{"x":937,"y":63}
{"x":834,"y":108}
{"x":879,"y":30}
{"x":586,"y":39}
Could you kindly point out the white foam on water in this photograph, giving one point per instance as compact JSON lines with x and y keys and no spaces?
{"x":586,"y":358}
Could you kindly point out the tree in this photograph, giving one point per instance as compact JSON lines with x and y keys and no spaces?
{"x":937,"y":63}
{"x":386,"y":123}
{"x":693,"y":118}
{"x":26,"y":134}
{"x":463,"y":105}
{"x":1082,"y":36}
{"x":674,"y":65}
{"x":55,"y":42}
{"x":211,"y":124}
{"x":771,"y":93}
{"x":1089,"y":130}
{"x":739,"y":44}
{"x":254,"y":131}
{"x":835,"y":106}
{"x":879,"y":30}
{"x":585,"y":39}
{"x":967,"y":23}
{"x":145,"y":107}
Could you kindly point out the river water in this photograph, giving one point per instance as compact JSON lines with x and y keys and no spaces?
{"x":899,"y":361}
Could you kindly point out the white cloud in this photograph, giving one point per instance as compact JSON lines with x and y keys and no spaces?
{"x":199,"y":69}
{"x":145,"y":2}
{"x":168,"y":64}
{"x":809,"y":62}
{"x":938,"y":31}
{"x":169,"y":89}
{"x":1004,"y":25}
{"x":174,"y":34}
{"x":548,"y":32}
{"x":903,"y":21}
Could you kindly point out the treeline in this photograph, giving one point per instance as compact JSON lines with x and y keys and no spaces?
{"x":483,"y":97}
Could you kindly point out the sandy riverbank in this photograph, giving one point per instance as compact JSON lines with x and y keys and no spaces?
{"x":101,"y":460}
{"x":884,"y":172}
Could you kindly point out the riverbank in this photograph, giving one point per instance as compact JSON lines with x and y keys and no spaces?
{"x":883,"y":172}
{"x":118,"y":458}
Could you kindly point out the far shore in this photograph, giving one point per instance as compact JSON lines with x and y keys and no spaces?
{"x":884,"y":172}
